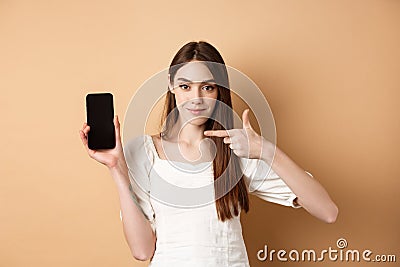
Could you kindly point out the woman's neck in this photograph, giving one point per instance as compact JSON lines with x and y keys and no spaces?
{"x":189,"y":133}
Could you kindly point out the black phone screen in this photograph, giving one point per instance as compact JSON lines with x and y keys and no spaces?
{"x":100,"y":115}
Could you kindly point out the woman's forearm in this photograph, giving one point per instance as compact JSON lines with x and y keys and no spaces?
{"x":311,"y":195}
{"x":137,"y":230}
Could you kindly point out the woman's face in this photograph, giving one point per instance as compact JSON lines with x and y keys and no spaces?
{"x":195,"y":92}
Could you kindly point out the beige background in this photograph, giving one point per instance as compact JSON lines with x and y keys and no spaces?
{"x":329,"y":69}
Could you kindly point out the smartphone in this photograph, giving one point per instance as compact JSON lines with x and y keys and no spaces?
{"x":100,"y":116}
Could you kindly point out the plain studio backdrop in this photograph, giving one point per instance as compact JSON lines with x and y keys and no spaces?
{"x":329,"y":69}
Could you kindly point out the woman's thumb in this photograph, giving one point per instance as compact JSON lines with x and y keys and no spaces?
{"x":117,"y":128}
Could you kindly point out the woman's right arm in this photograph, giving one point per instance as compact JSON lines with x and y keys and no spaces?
{"x":137,"y":229}
{"x":138,"y":232}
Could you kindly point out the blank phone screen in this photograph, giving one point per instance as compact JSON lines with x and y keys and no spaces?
{"x":100,"y":115}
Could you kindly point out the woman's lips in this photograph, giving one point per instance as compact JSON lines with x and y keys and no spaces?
{"x":196,"y":111}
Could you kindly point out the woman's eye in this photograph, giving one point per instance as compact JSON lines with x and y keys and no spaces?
{"x":183,"y":86}
{"x":208,"y":87}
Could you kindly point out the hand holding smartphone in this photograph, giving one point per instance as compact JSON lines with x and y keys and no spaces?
{"x":100,"y":115}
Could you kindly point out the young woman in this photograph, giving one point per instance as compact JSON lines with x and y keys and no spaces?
{"x":197,"y":133}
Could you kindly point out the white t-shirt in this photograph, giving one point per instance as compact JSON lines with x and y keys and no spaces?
{"x":173,"y":197}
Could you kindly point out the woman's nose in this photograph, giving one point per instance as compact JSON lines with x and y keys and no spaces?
{"x":196,"y":96}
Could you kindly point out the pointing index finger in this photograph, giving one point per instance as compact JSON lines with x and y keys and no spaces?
{"x":218,"y":133}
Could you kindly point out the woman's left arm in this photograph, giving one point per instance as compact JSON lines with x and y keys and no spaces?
{"x":311,"y":195}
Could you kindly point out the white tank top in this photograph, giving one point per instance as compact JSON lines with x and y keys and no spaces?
{"x":189,"y":233}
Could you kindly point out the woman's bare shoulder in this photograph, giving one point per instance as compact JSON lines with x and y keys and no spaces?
{"x":157,"y":144}
{"x":156,"y":138}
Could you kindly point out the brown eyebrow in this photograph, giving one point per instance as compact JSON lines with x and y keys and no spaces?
{"x":187,"y":80}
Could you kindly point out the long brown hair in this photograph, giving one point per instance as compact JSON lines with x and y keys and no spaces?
{"x":229,"y":173}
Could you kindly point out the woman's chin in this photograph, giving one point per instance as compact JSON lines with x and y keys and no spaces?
{"x":198,"y":121}
{"x":193,"y":119}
